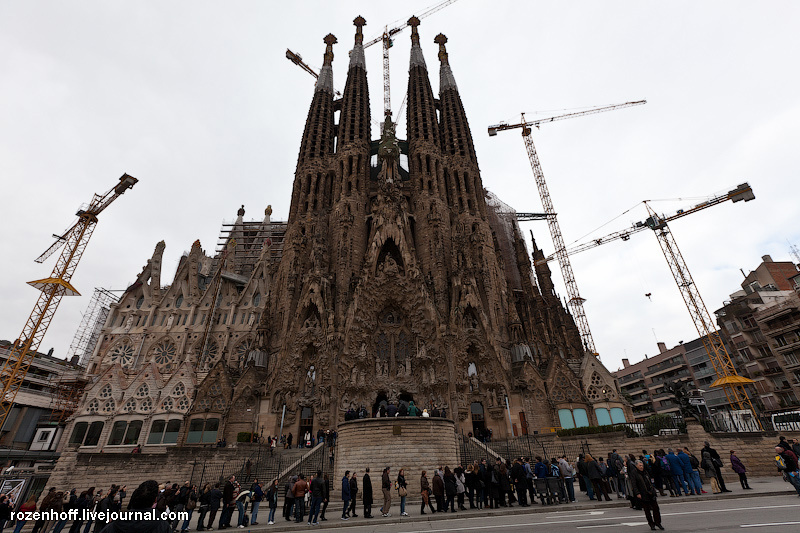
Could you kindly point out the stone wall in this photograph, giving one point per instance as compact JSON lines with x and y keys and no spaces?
{"x":414,"y":444}
{"x":756,"y":450}
{"x":178,"y":464}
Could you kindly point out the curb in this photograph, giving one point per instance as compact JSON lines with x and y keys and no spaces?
{"x":331,"y":523}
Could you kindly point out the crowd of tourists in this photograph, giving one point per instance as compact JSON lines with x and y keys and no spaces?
{"x":641,"y":479}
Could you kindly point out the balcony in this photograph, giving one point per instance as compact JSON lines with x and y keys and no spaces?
{"x":664,"y":366}
{"x":773,"y":371}
{"x":634,"y":391}
{"x":677,"y":376}
{"x":636,"y":376}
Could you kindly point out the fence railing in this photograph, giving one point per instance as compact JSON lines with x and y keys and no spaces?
{"x":526,"y":446}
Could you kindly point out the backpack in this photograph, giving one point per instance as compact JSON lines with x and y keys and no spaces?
{"x":554,"y":470}
{"x":694,"y":462}
{"x":780,"y":462}
{"x":665,"y":465}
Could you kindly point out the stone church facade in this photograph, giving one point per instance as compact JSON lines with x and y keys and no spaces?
{"x":397,"y":277}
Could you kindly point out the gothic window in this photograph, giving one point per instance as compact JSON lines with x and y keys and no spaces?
{"x":242,"y":350}
{"x":139,"y":302}
{"x":403,"y":346}
{"x":179,"y":301}
{"x":215,"y":390}
{"x":93,"y":406}
{"x":593,"y":394}
{"x":143,"y":391}
{"x":130,"y":406}
{"x":210,"y":353}
{"x":219,"y":404}
{"x":105,"y":392}
{"x":558,"y":395}
{"x":597,"y":381}
{"x":179,"y":390}
{"x":164,"y":354}
{"x":383,"y":346}
{"x":146,"y":405}
{"x":183,"y":404}
{"x":168,"y":404}
{"x":205,"y":404}
{"x":122,"y":354}
{"x":572,"y":394}
{"x":562,"y":381}
{"x":108,"y":407}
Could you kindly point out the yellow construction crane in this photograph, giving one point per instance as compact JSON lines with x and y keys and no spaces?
{"x":574,"y":298}
{"x":52,"y":289}
{"x":386,"y":39}
{"x":727,"y":377}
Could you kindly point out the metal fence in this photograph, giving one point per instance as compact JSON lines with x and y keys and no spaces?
{"x":523,"y":446}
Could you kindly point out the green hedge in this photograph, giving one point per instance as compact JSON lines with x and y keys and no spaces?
{"x":591,"y":430}
{"x":244,"y":436}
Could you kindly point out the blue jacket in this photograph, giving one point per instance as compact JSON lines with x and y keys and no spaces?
{"x":686,"y":463}
{"x":540,"y":470}
{"x":345,"y":488}
{"x":675,"y":464}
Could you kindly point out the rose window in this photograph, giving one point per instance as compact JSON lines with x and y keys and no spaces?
{"x":123,"y":355}
{"x":242,"y":350}
{"x":215,"y":390}
{"x":168,"y":404}
{"x":93,"y":406}
{"x":597,"y":381}
{"x":183,"y":404}
{"x":558,"y":395}
{"x":143,"y":391}
{"x":179,"y":390}
{"x":109,"y":406}
{"x":105,"y":392}
{"x":593,"y":393}
{"x":130,"y":406}
{"x":205,"y":404}
{"x":219,"y":404}
{"x":164,"y":354}
{"x":210,"y":353}
{"x":147,"y":405}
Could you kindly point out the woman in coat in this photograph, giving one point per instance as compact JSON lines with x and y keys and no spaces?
{"x":402,"y":490}
{"x":203,"y":505}
{"x":596,"y":478}
{"x":461,"y":488}
{"x":645,"y":492}
{"x":738,"y":467}
{"x":425,"y":492}
{"x":272,"y":500}
{"x":450,"y":489}
{"x":505,"y":486}
{"x":438,"y":491}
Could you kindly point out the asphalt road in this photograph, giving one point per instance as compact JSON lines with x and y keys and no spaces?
{"x":772,"y":514}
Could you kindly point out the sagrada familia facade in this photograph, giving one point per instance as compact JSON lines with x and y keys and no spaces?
{"x":397,"y":277}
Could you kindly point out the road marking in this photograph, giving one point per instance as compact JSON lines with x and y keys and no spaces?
{"x":772,"y":524}
{"x":574,"y":520}
{"x":629,"y":524}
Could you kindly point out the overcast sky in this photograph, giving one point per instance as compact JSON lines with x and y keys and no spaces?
{"x":197,"y":101}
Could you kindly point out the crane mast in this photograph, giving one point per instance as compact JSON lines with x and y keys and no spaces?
{"x":727,"y":377}
{"x":74,"y":241}
{"x":575,"y":301}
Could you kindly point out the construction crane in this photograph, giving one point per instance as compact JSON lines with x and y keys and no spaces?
{"x":74,"y":241}
{"x":386,"y":39}
{"x":574,"y":298}
{"x":727,"y":377}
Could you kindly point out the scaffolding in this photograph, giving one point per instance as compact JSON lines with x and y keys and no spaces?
{"x":251,"y":238}
{"x":88,"y":332}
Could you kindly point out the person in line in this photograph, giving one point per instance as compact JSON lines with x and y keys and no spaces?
{"x":366,"y":493}
{"x":645,"y":493}
{"x":142,"y":499}
{"x":317,"y":495}
{"x":786,"y":461}
{"x":595,"y":476}
{"x":695,"y":464}
{"x":386,"y":487}
{"x":738,"y":467}
{"x":346,"y":495}
{"x":215,"y":501}
{"x":204,"y":504}
{"x":300,"y":489}
{"x":425,"y":492}
{"x":27,"y":507}
{"x":717,"y":463}
{"x":272,"y":500}
{"x":450,"y":490}
{"x":353,"y":494}
{"x":326,"y":496}
{"x":438,"y":491}
{"x":402,"y":491}
{"x":288,"y":498}
{"x":258,"y":496}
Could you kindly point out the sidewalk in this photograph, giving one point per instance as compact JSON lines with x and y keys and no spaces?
{"x":761,"y":487}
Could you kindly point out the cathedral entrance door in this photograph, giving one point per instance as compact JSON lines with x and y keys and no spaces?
{"x":306,"y":426}
{"x":380,"y":400}
{"x":478,"y":420}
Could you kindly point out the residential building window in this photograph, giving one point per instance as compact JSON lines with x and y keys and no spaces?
{"x":791,"y":359}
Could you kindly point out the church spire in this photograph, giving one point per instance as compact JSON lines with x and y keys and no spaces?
{"x":357,"y":55}
{"x":457,"y":140}
{"x":317,"y":144}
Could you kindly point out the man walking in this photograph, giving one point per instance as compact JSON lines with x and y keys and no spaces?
{"x":386,"y":486}
{"x":366,"y":494}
